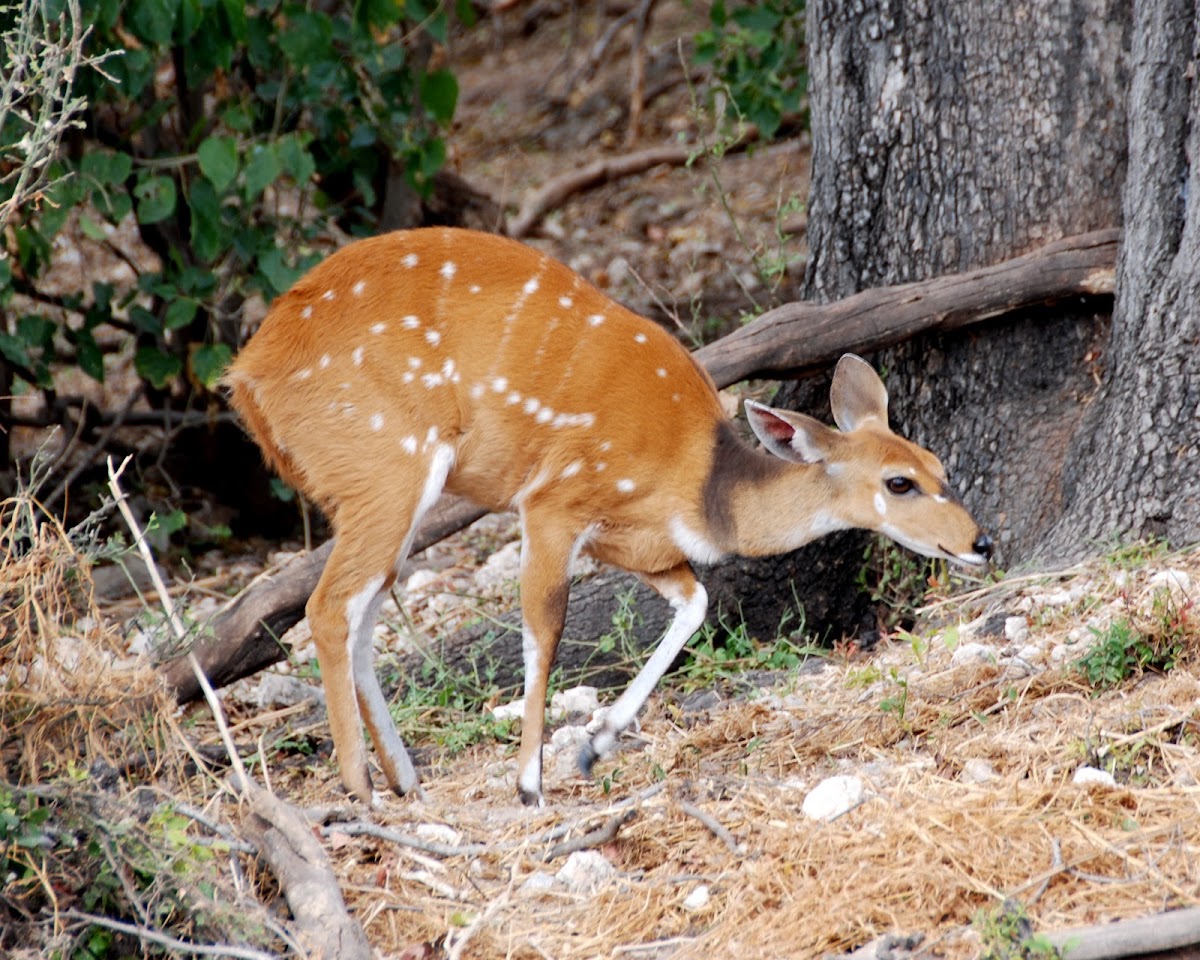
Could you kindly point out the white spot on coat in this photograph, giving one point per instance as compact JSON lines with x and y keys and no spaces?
{"x":661,"y":371}
{"x":357,"y":356}
{"x":639,"y":337}
{"x":409,"y":444}
{"x":358,"y":288}
{"x":303,"y":374}
{"x":531,"y":406}
{"x":448,"y":270}
{"x":377,"y":422}
{"x":475,"y":288}
{"x":325,"y":361}
{"x":545,"y":415}
{"x":566,"y":302}
{"x":499,"y":384}
{"x":433,"y":337}
{"x":571,"y":469}
{"x":306,"y":312}
{"x":531,"y":286}
{"x":410,"y":260}
{"x":477,"y":390}
{"x":625,"y":485}
{"x":513,"y":398}
{"x":596,"y":319}
{"x":410,"y":322}
{"x":880,"y":504}
{"x":414,"y":362}
{"x":328,"y":295}
{"x":378,"y":328}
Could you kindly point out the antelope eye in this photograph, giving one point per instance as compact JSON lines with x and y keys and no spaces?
{"x":900,"y":485}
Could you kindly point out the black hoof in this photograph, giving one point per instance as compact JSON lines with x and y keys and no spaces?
{"x":530,"y":798}
{"x":587,"y":758}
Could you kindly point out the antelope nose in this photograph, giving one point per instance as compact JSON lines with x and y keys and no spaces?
{"x":983,"y":546}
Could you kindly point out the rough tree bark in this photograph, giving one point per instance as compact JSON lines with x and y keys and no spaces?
{"x":947,"y":137}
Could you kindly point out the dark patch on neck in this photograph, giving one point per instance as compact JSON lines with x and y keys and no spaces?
{"x":733,"y":464}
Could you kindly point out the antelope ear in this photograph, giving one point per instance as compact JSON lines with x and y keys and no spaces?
{"x":857,"y":394}
{"x":791,"y":436}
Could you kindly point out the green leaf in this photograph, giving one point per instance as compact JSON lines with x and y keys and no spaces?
{"x":306,"y":38}
{"x":88,"y":355}
{"x":180,"y":314}
{"x":206,"y":220}
{"x":156,"y":366}
{"x":156,"y":199}
{"x":439,"y":94}
{"x":218,"y":160}
{"x":209,"y":361}
{"x":277,"y":272}
{"x":106,"y":168}
{"x":262,"y":170}
{"x":152,"y":20}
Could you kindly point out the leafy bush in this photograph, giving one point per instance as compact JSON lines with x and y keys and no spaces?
{"x":757,"y":53}
{"x":233,"y":133}
{"x":1131,"y":646}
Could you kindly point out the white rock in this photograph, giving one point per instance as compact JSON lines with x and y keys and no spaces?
{"x":1063,"y":652}
{"x":977,"y":770}
{"x":277,"y":690}
{"x":419,"y":580}
{"x":1176,"y":582}
{"x":698,"y":899}
{"x":597,"y":720}
{"x":563,"y":751}
{"x":578,"y":701}
{"x":1093,"y":775}
{"x":510,"y":711}
{"x":438,"y":833}
{"x":832,"y":797}
{"x":972,"y":653}
{"x":503,"y":566}
{"x":1016,"y":629}
{"x":540,"y":882}
{"x":585,"y":871}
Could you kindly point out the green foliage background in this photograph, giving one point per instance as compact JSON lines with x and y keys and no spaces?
{"x":222,"y":127}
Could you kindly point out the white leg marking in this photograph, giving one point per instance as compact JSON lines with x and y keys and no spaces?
{"x":689,"y":615}
{"x":529,"y":778}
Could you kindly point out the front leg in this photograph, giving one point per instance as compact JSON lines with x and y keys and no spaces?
{"x":690,"y":601}
{"x":545,"y":583}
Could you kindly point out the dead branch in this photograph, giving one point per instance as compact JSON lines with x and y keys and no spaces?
{"x":605,"y":170}
{"x":324,"y":928}
{"x":1130,"y":938}
{"x":713,"y":825}
{"x":147,"y":935}
{"x":637,"y":72}
{"x":800,"y":337}
{"x":603,"y":834}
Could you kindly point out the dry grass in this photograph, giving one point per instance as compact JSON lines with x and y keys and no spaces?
{"x":925,"y":851}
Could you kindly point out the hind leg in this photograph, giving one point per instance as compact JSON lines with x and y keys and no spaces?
{"x":373,"y":539}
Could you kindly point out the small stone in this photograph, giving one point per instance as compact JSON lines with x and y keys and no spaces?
{"x":972,"y":653}
{"x":1087,"y":775}
{"x":419,"y":580}
{"x":540,"y":882}
{"x":277,"y":690}
{"x":698,"y":899}
{"x":509,"y":711}
{"x":1016,"y":629}
{"x":977,"y":770}
{"x":438,"y":833}
{"x":503,"y":566}
{"x":576,"y":702}
{"x":832,"y":797}
{"x":585,"y":871}
{"x":1177,"y":583}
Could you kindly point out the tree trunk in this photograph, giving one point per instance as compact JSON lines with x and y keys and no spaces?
{"x":1133,"y":468}
{"x":945,"y":138}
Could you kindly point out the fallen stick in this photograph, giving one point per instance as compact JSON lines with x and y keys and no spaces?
{"x":1129,"y":938}
{"x":714,"y":826}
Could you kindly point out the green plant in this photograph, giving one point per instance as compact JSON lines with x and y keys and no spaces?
{"x":896,"y":703}
{"x":231,"y":135}
{"x":1006,"y":933}
{"x":723,"y":652}
{"x":757,"y":54}
{"x":897,"y":581}
{"x":1132,"y":645}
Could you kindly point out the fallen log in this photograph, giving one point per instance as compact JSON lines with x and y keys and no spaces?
{"x":790,"y":341}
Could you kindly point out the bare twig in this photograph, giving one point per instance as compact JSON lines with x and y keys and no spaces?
{"x":176,"y":623}
{"x":637,"y":72}
{"x":714,"y":826}
{"x":183,"y":946}
{"x":594,"y":838}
